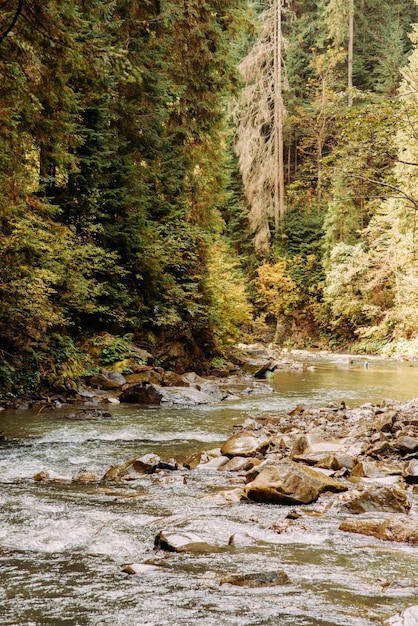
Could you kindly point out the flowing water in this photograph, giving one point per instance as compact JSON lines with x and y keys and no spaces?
{"x":63,"y":544}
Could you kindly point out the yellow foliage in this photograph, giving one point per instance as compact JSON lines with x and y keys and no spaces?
{"x":277,"y":292}
{"x":226,"y":283}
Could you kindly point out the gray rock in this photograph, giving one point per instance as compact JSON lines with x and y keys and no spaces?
{"x":156,"y":395}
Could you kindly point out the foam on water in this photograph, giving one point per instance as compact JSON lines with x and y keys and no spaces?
{"x":62,"y":544}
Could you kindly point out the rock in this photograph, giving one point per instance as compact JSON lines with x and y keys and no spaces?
{"x":258,"y":579}
{"x":239,"y":463}
{"x":142,"y":394}
{"x":233,"y":495}
{"x":406,"y":444}
{"x":88,"y":414}
{"x":202,"y":457}
{"x":86,"y":478}
{"x":236,"y":387}
{"x":107,"y":380}
{"x":245,"y":443}
{"x":41,"y":476}
{"x":301,"y":444}
{"x":255,"y":366}
{"x":317,"y":452}
{"x":139,"y":568}
{"x":400,"y":528}
{"x":147,"y":375}
{"x":379,"y":498}
{"x":367,"y":469}
{"x":310,"y":448}
{"x":212,"y":389}
{"x":181,"y":542}
{"x":287,"y":482}
{"x":409,"y":617}
{"x":337,"y":461}
{"x":410,"y":473}
{"x":112,"y":400}
{"x":65,"y":385}
{"x":147,"y":464}
{"x":214,"y":463}
{"x":135,"y":468}
{"x":117,"y":472}
{"x":156,"y":395}
{"x":384,"y":422}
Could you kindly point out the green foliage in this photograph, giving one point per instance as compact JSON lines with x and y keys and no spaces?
{"x":108,"y":349}
{"x":113,"y":174}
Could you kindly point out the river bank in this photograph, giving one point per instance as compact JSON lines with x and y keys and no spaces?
{"x":247,"y":369}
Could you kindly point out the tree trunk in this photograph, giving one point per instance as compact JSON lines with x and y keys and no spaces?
{"x":350,"y":53}
{"x":279,"y":206}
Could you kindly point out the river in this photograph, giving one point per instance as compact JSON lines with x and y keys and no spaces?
{"x":63,"y":544}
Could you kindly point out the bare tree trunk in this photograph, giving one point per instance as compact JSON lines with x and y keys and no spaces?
{"x":350,"y":52}
{"x":279,"y":206}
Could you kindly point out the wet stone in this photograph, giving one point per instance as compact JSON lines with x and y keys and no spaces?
{"x":139,"y":568}
{"x":181,"y":542}
{"x":258,"y":579}
{"x":40,"y":476}
{"x":89,"y":414}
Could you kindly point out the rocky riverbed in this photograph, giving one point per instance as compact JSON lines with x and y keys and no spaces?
{"x":356,"y":469}
{"x":358,"y":463}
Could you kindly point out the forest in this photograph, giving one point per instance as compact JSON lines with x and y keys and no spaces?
{"x":179,"y":175}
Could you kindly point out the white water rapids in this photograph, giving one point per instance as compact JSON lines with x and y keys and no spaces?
{"x":63,"y":544}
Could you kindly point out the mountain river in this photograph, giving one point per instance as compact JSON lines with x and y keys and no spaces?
{"x":63,"y":544}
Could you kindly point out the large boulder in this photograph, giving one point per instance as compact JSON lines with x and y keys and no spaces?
{"x":287,"y":482}
{"x":400,"y":528}
{"x":156,"y":395}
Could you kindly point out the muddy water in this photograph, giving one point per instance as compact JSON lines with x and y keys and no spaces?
{"x":63,"y":544}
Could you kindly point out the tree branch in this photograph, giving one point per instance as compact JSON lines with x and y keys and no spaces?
{"x":13,"y":22}
{"x":403,"y":193}
{"x":393,"y":158}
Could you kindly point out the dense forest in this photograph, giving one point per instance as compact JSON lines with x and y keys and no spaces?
{"x":178,"y":174}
